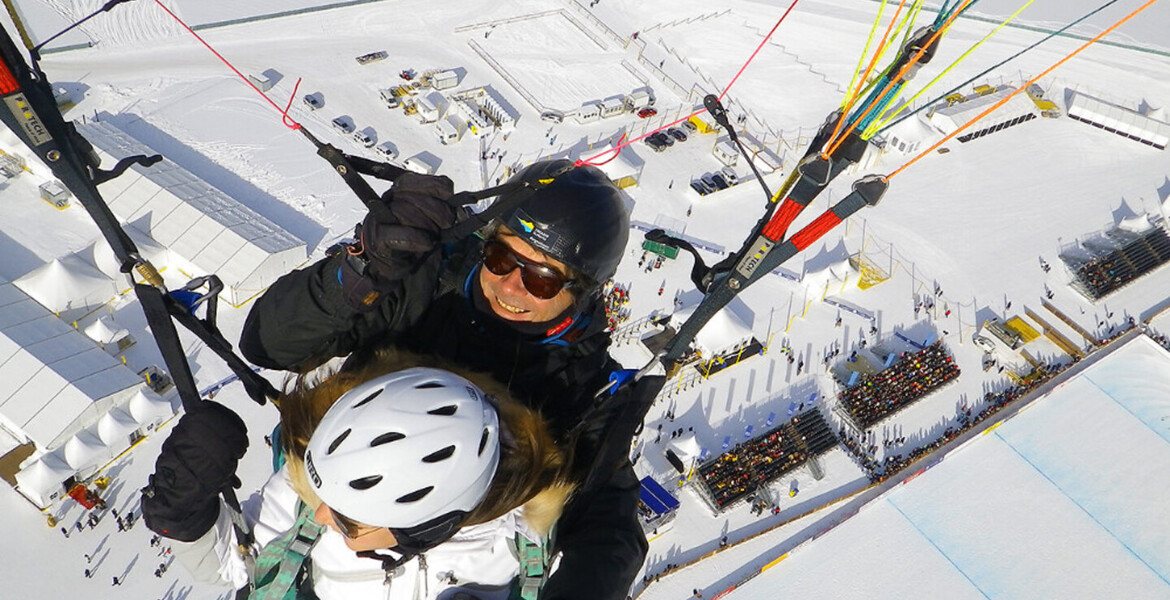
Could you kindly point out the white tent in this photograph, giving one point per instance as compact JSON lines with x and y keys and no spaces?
{"x":1119,"y":120}
{"x":102,"y":255}
{"x":1138,"y":224}
{"x":687,"y":448}
{"x":109,"y":335}
{"x":725,"y":330}
{"x":42,"y":480}
{"x":115,"y":427}
{"x":85,"y":450}
{"x":197,"y":222}
{"x":68,"y":285}
{"x":147,"y":407}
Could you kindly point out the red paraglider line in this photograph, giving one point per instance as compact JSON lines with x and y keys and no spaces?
{"x":288,"y":121}
{"x":617,"y":149}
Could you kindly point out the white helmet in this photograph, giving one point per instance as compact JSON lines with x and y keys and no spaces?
{"x":405,"y":448}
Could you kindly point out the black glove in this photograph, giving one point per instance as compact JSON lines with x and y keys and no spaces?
{"x":418,"y":213}
{"x":395,"y":236}
{"x":197,"y":461}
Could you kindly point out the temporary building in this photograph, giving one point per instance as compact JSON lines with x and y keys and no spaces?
{"x":54,"y":383}
{"x":1119,"y":120}
{"x":115,"y":428}
{"x":102,"y":256}
{"x":194,"y":220}
{"x":86,"y":451}
{"x":724,"y":331}
{"x":148,"y":408}
{"x":43,"y":480}
{"x":625,"y":169}
{"x":69,"y":286}
{"x":110,"y":336}
{"x":1016,"y":110}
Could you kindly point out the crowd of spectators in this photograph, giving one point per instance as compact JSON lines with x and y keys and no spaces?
{"x":865,"y":452}
{"x":617,"y":303}
{"x":743,"y":469}
{"x":1135,"y":256}
{"x":874,"y":397}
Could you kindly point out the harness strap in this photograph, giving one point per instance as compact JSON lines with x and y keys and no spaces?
{"x":281,"y":563}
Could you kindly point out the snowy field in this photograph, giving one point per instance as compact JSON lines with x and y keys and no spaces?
{"x":974,"y":223}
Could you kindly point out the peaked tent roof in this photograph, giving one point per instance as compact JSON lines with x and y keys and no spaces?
{"x":68,"y":284}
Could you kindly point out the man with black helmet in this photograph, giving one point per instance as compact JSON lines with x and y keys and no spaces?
{"x":520,"y":300}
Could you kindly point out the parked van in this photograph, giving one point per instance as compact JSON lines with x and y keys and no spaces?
{"x":389,"y":98}
{"x":447,"y":131}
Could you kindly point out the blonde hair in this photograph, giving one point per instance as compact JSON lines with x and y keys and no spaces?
{"x":532,"y":472}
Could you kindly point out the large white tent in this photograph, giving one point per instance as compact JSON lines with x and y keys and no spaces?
{"x":194,"y":220}
{"x":68,"y":286}
{"x":1119,"y":120}
{"x":42,"y":480}
{"x":55,"y":386}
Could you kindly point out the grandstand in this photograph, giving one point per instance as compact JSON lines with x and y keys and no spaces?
{"x":1106,"y":263}
{"x":902,"y":383}
{"x":744,"y":469}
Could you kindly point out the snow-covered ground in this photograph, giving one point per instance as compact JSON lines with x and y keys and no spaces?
{"x":972,"y":222}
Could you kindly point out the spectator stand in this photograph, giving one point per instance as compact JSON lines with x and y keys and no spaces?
{"x":746,"y":468}
{"x":656,"y":507}
{"x":904,"y":381}
{"x":1108,"y":261}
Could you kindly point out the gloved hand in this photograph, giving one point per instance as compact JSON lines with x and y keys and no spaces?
{"x":392,"y":240}
{"x":198,"y":460}
{"x":394,"y":236}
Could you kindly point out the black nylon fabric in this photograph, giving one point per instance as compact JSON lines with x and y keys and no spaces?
{"x":197,"y":461}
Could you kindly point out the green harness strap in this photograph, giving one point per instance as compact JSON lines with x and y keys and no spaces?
{"x":534,"y":560}
{"x":280,"y":565}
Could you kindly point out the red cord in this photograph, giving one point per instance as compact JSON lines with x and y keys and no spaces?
{"x":284,"y":113}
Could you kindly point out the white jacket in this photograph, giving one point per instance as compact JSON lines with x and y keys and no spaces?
{"x":478,"y":553}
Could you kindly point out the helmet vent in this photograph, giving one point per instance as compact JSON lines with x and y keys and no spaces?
{"x":439,"y":455}
{"x":386,"y":438}
{"x":366,"y":400}
{"x":444,"y":411}
{"x":416,"y":495}
{"x":429,"y":385}
{"x":365,"y":483}
{"x":483,"y":440}
{"x":337,"y":442}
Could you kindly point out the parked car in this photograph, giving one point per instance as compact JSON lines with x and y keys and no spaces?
{"x":389,"y":98}
{"x":730,"y":175}
{"x":720,"y":181}
{"x":343,"y":124}
{"x":647,"y":112}
{"x":387,"y":150}
{"x":666,"y":139}
{"x":363,"y":138}
{"x":677,"y":134}
{"x":552,"y":116}
{"x":699,"y":187}
{"x":655,"y":142}
{"x":709,"y":179}
{"x":689,"y":125}
{"x":314,"y":101}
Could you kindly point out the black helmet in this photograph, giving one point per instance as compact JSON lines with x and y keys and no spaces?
{"x":579,"y":219}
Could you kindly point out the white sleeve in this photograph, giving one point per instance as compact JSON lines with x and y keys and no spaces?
{"x":215,"y":558}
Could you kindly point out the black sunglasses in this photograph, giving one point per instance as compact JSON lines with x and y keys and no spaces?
{"x":350,"y":528}
{"x":540,"y":280}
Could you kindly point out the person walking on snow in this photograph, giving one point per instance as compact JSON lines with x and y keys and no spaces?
{"x":522,"y":301}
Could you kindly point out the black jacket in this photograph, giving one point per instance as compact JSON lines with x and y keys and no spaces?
{"x":302,"y":320}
